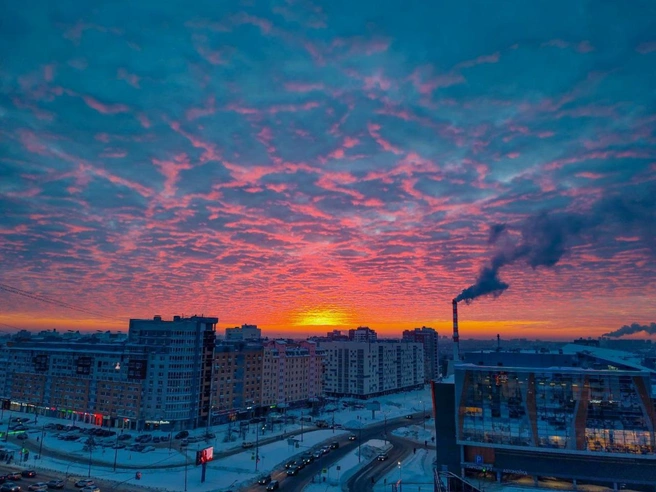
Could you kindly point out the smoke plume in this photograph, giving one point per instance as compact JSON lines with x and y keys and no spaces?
{"x":541,"y":241}
{"x":631,"y":329}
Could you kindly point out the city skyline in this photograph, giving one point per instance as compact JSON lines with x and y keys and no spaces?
{"x":314,"y":166}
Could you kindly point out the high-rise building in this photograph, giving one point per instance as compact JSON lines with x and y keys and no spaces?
{"x":237,"y":384}
{"x":429,"y":338}
{"x":366,"y":369}
{"x":292,"y":372}
{"x":362,"y":334}
{"x":180,"y":376}
{"x":243,"y":333}
{"x":581,"y":414}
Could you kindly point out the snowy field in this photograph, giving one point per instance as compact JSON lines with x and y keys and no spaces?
{"x":342,"y":470}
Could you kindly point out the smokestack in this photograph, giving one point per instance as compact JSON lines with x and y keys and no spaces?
{"x":456,"y":337}
{"x":498,"y":343}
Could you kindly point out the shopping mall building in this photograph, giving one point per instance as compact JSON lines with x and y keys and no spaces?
{"x":581,"y":414}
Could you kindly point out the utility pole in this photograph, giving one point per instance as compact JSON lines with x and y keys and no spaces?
{"x":116,"y":450}
{"x":43,"y":435}
{"x":257,"y":445}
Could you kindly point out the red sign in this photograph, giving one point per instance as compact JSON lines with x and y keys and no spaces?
{"x":204,"y":455}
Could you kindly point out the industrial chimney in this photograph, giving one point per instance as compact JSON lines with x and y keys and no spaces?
{"x":456,"y":337}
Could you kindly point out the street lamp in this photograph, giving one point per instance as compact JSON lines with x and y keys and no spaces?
{"x":90,"y":451}
{"x":116,"y":450}
{"x":399,"y":465}
{"x":43,"y":435}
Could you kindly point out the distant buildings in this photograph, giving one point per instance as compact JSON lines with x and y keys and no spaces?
{"x":362,"y":334}
{"x":581,"y":413}
{"x":429,"y":338}
{"x":243,"y":333}
{"x":366,"y":369}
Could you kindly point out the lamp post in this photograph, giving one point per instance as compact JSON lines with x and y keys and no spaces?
{"x":116,"y":449}
{"x":43,"y":436}
{"x":90,"y":451}
{"x":423,"y":413}
{"x":186,"y":461}
{"x":301,"y":425}
{"x":257,"y":445}
{"x":8,"y":422}
{"x":399,"y":465}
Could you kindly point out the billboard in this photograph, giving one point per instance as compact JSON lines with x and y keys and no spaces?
{"x":204,"y":455}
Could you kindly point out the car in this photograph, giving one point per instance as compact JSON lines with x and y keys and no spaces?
{"x":409,"y":417}
{"x":124,"y":437}
{"x":383,"y":457}
{"x":264,"y":480}
{"x":84,"y":482}
{"x":21,"y":437}
{"x":148,"y":449}
{"x":56,"y":484}
{"x":38,"y":487}
{"x":325,"y":449}
{"x":28,"y":473}
{"x":273,"y":485}
{"x":290,"y":464}
{"x":210,"y":435}
{"x":3,"y":479}
{"x":293,"y":471}
{"x":119,"y":445}
{"x":13,"y":476}
{"x":334,"y":445}
{"x":90,"y":488}
{"x":156,"y":439}
{"x":317,"y":454}
{"x":182,"y":434}
{"x":247,"y":444}
{"x":352,"y":437}
{"x":18,"y":427}
{"x":10,"y":487}
{"x":307,"y":459}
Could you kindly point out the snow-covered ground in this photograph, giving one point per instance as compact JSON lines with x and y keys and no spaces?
{"x":421,"y":433}
{"x":233,"y":471}
{"x":342,"y":470}
{"x":415,"y":472}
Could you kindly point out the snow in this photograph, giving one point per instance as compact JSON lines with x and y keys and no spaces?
{"x":415,"y":473}
{"x":419,"y":433}
{"x":342,"y":470}
{"x":238,"y":469}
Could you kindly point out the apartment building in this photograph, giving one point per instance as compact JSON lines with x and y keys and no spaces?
{"x":429,"y":338}
{"x":292,"y":372}
{"x":237,"y":382}
{"x":364,"y":369}
{"x":160,"y":376}
{"x":243,"y":333}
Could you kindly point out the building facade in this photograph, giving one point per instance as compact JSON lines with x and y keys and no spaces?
{"x":573,"y":416}
{"x":238,"y":371}
{"x":363,"y":369}
{"x":243,"y":333}
{"x":292,"y":372}
{"x":429,"y":338}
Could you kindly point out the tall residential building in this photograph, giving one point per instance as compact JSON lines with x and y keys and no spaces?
{"x":362,"y":334}
{"x":180,"y":376}
{"x":365,"y":369}
{"x":237,"y":384}
{"x":581,"y":414}
{"x":243,"y":333}
{"x":429,"y":338}
{"x":292,"y":372}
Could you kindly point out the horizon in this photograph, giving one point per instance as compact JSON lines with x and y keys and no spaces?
{"x":330,"y":164}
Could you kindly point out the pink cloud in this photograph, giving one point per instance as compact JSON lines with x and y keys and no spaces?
{"x":105,"y":108}
{"x":350,"y":142}
{"x":556,"y":43}
{"x":375,"y":134}
{"x":208,"y":109}
{"x":493,"y":58}
{"x":513,"y":155}
{"x":303,"y":87}
{"x":428,"y":86}
{"x":49,"y":72}
{"x":584,"y":47}
{"x":143,"y":119}
{"x":589,"y":175}
{"x":264,"y":25}
{"x":130,"y":78}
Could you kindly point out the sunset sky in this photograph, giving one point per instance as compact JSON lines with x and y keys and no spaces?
{"x":309,"y":166}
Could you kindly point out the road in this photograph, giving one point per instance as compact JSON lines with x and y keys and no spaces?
{"x":45,"y":476}
{"x":299,"y":482}
{"x":361,"y":481}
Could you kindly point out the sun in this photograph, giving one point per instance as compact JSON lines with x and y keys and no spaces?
{"x":321,"y":317}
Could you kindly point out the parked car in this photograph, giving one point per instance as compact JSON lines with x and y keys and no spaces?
{"x":90,"y":488}
{"x":10,"y":487}
{"x":56,"y":484}
{"x":182,"y":434}
{"x":28,"y":473}
{"x":124,"y":437}
{"x":38,"y":487}
{"x":13,"y":476}
{"x":144,"y":438}
{"x":317,"y":454}
{"x":148,"y":449}
{"x":273,"y":485}
{"x":22,"y":436}
{"x":3,"y":479}
{"x":156,"y":439}
{"x":409,"y":417}
{"x":247,"y":444}
{"x":84,"y":482}
{"x":264,"y":480}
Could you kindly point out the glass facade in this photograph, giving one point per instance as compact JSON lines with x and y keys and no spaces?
{"x":578,"y":410}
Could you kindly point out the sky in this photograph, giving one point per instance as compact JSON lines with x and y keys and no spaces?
{"x":310,"y":166}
